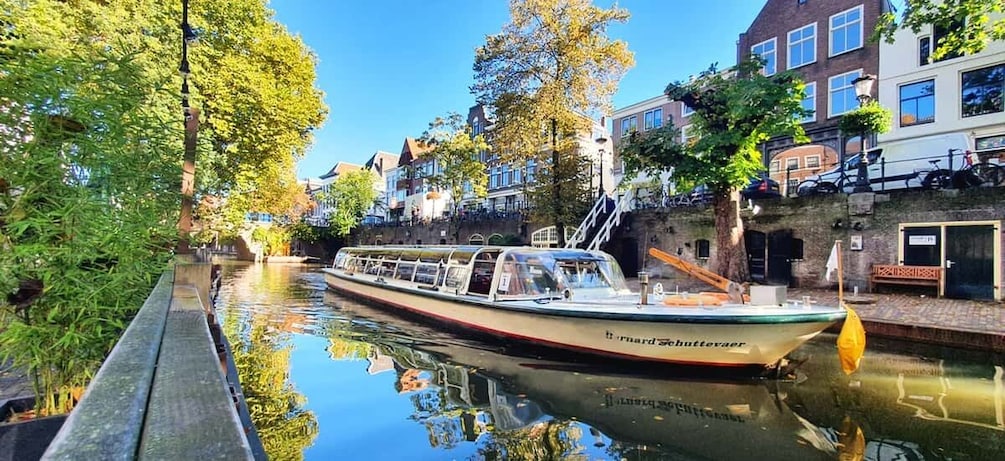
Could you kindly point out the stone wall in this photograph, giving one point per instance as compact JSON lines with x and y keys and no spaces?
{"x":444,"y":232}
{"x":818,"y":221}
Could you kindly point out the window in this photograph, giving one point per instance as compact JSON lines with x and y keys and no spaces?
{"x":494,"y":178}
{"x":775,"y":166}
{"x":792,"y":163}
{"x":846,"y":31}
{"x":917,"y":103}
{"x":803,"y":46}
{"x":810,"y":102}
{"x":531,"y":167}
{"x":685,"y":110}
{"x":684,"y":137}
{"x":766,"y":50}
{"x":653,"y":119}
{"x":924,"y":50}
{"x":505,"y":176}
{"x":841,"y":96}
{"x":813,"y":161}
{"x":983,"y":90}
{"x":629,"y":124}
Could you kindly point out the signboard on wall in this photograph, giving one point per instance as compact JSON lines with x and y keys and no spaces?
{"x":921,"y":240}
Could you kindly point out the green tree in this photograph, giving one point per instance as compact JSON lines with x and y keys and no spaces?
{"x":88,"y":192}
{"x":970,"y":24}
{"x":550,"y":70}
{"x":734,"y":112}
{"x":351,"y":195}
{"x":456,"y":152}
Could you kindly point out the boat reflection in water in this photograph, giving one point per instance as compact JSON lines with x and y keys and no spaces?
{"x":525,"y":404}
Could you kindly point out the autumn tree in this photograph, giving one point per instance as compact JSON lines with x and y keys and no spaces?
{"x":969,"y":24}
{"x":456,"y":151}
{"x":550,"y":70}
{"x":351,"y":195}
{"x":734,"y":112}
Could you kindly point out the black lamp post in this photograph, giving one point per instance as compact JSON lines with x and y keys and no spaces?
{"x":602,"y":142}
{"x":863,"y":91}
{"x":191,"y":129}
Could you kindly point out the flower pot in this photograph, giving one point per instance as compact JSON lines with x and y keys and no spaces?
{"x":26,"y":440}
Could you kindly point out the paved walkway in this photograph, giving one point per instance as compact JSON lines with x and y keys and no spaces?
{"x":918,"y":317}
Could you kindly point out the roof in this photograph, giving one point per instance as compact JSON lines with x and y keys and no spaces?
{"x":341,"y":167}
{"x":381,"y":161}
{"x":412,"y":150}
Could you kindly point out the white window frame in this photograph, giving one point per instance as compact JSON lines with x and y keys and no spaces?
{"x":810,"y":92}
{"x":774,"y":55}
{"x":806,"y":161}
{"x":685,"y":110}
{"x":629,"y":124}
{"x":776,"y":166}
{"x":683,"y":133}
{"x":830,"y":92}
{"x":861,"y":31}
{"x":651,"y":123}
{"x":789,"y":44}
{"x":791,"y":160}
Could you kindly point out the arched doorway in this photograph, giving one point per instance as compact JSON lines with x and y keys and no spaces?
{"x":496,"y":239}
{"x":476,"y":239}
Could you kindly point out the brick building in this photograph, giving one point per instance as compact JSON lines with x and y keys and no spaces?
{"x":827,"y":43}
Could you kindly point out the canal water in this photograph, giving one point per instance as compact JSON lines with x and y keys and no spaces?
{"x":327,"y":377}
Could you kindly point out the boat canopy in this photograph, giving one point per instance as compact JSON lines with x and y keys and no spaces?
{"x":532,"y":272}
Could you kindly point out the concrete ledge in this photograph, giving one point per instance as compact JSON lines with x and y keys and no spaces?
{"x":966,"y":339}
{"x":191,"y":413}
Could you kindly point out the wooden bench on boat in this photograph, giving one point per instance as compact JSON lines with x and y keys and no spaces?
{"x":891,"y":274}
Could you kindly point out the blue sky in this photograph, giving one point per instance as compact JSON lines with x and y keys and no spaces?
{"x":390,"y":67}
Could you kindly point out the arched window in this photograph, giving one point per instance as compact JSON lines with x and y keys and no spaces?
{"x":476,"y":239}
{"x":547,"y":237}
{"x":496,"y":239}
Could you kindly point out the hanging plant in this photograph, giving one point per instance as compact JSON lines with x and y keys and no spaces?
{"x":867,"y":118}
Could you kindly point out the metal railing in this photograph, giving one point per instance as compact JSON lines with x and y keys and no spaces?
{"x":613,"y":221}
{"x":599,"y":208}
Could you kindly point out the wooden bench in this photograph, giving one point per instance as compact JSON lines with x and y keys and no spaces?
{"x":887,"y":274}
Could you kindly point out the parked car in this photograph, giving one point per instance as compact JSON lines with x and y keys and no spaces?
{"x":761,"y":188}
{"x":373,"y":220}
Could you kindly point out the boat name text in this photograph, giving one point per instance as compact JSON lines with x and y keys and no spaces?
{"x":670,"y":342}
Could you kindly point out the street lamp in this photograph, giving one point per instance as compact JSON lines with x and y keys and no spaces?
{"x":602,"y":142}
{"x":188,"y":37}
{"x":863,"y":91}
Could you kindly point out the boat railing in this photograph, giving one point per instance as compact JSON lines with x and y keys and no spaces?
{"x":588,"y":223}
{"x":613,"y":221}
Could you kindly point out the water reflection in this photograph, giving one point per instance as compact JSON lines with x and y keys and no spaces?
{"x":384,"y":386}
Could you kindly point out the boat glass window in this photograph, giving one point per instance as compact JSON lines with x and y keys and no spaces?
{"x":456,"y":276}
{"x":405,"y":271}
{"x":462,"y":255}
{"x":528,"y":274}
{"x":481,"y":276}
{"x":434,"y":255}
{"x":426,"y":274}
{"x":339,"y":262}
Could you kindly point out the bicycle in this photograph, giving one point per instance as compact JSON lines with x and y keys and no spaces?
{"x":816,"y":187}
{"x":973,"y":174}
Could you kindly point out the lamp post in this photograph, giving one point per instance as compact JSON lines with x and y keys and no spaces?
{"x":863,"y":91}
{"x":191,"y":129}
{"x":602,"y":142}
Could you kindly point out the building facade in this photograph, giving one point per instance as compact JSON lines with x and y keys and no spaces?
{"x":958,"y":94}
{"x":827,"y":43}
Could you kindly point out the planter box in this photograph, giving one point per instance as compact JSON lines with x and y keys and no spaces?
{"x":26,"y":440}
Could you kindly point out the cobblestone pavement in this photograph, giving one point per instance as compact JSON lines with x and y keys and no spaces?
{"x":900,"y":308}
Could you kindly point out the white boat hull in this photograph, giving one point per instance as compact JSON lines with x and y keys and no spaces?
{"x":693,"y":336}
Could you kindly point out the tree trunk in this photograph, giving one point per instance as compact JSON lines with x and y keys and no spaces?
{"x":556,"y":185}
{"x":730,"y":251}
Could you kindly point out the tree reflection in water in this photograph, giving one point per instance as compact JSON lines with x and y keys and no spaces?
{"x":262,"y":358}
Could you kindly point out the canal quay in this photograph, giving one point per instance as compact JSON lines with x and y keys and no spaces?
{"x":328,"y":377}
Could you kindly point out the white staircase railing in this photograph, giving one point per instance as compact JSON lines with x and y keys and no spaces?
{"x":588,"y":223}
{"x":613,"y":221}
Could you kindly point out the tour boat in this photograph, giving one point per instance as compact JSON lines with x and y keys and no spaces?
{"x":572,"y":299}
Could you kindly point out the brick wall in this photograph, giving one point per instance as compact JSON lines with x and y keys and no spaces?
{"x":815,"y":221}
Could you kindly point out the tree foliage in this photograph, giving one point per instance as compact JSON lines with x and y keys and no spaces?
{"x":734,"y":112}
{"x":90,"y":156}
{"x":983,"y":21}
{"x":351,"y":195}
{"x":456,"y":151}
{"x":867,"y":118}
{"x":550,"y":70}
{"x":88,"y":191}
